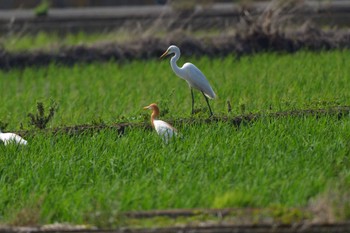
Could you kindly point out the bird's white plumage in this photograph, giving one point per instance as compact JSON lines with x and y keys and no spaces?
{"x":189,"y":72}
{"x":192,"y":75}
{"x":8,"y":138}
{"x":164,"y":130}
{"x":196,"y":79}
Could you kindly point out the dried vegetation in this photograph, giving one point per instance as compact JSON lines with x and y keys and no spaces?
{"x":276,"y":29}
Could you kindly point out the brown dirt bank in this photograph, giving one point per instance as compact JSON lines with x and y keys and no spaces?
{"x":255,"y":41}
{"x":210,"y":228}
{"x":335,"y":111}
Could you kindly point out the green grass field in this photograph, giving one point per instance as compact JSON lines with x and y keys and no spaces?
{"x":91,"y":178}
{"x":50,"y":41}
{"x":54,"y":41}
{"x":112,"y":92}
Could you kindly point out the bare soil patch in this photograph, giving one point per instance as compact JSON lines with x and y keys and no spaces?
{"x":219,"y":227}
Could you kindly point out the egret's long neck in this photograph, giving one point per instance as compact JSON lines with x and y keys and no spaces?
{"x":178,"y":71}
{"x":154,"y":115}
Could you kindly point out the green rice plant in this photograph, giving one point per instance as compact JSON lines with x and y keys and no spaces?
{"x":92,"y":178}
{"x":111,"y":92}
{"x":79,"y":179}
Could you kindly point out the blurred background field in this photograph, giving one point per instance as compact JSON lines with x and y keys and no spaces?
{"x":100,"y":33}
{"x":261,"y":57}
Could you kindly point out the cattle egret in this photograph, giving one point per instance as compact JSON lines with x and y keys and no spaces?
{"x":194,"y":77}
{"x":12,"y":138}
{"x":164,"y":130}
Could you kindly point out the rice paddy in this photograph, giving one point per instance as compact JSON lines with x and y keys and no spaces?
{"x":91,"y":178}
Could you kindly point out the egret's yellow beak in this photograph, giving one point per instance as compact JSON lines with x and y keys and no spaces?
{"x":147,"y":107}
{"x":164,"y":54}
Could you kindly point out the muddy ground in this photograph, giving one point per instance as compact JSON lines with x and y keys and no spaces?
{"x":235,"y":121}
{"x":231,"y":220}
{"x":210,"y":228}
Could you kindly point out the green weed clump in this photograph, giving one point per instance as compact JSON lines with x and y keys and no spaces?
{"x":39,"y":120}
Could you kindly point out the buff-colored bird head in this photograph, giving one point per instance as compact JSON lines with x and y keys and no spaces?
{"x":151,"y":106}
{"x":155,"y":111}
{"x":154,"y":107}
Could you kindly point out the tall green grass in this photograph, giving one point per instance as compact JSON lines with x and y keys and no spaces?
{"x":53,"y":41}
{"x":91,"y":178}
{"x":112,"y":92}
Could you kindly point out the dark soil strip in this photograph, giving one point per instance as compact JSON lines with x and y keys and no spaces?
{"x":174,"y":213}
{"x":338,"y":111}
{"x":215,"y":228}
{"x":258,"y":39}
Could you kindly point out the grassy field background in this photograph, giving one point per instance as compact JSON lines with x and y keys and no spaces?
{"x":91,"y":178}
{"x":54,"y":41}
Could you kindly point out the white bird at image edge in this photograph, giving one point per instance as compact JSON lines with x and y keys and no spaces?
{"x":164,"y":129}
{"x":8,"y":138}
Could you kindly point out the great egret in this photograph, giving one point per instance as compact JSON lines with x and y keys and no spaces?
{"x":12,"y":138}
{"x":164,"y":130}
{"x":194,"y":77}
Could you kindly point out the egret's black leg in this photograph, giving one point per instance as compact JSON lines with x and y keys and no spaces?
{"x":206,"y":99}
{"x":192,"y":101}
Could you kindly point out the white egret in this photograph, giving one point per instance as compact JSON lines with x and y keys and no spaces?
{"x":164,"y":129}
{"x":194,"y":77}
{"x":12,"y":138}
